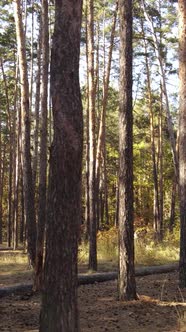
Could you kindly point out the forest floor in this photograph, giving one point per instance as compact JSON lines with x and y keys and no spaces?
{"x":161,"y":306}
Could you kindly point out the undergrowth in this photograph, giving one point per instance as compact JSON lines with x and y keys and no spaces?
{"x":147,"y":251}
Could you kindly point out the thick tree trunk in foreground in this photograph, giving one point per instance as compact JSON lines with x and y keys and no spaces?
{"x":182,"y":139}
{"x":1,"y":207}
{"x":27,"y":170}
{"x":126,"y":283}
{"x":59,"y":310}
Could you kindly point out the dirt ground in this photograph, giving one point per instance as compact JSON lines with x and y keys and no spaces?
{"x":161,"y":306}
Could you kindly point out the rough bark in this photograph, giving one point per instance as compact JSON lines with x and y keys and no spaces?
{"x":43,"y":149}
{"x":173,"y":205}
{"x":87,"y":205}
{"x":126,"y":282}
{"x":92,"y":179}
{"x":116,"y":218}
{"x":1,"y":207}
{"x":27,"y":169}
{"x":22,"y":216}
{"x":59,"y":310}
{"x":182,"y":139}
{"x":2,"y":181}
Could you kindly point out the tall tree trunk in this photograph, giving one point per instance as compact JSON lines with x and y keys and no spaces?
{"x":101,"y":144}
{"x":10,"y":173}
{"x":22,"y":231}
{"x":32,"y":57}
{"x":160,"y":157}
{"x":116,"y":219}
{"x":157,"y":49}
{"x":16,"y":196}
{"x":182,"y":140}
{"x":87,"y":203}
{"x":160,"y":141}
{"x":27,"y":170}
{"x":173,"y":204}
{"x":2,"y":174}
{"x":1,"y":166}
{"x":50,"y":117}
{"x":157,"y":227}
{"x":15,"y":160}
{"x":59,"y":310}
{"x":43,"y":148}
{"x":37,"y":107}
{"x":22,"y":217}
{"x":92,"y":180}
{"x":126,"y":282}
{"x":105,"y":182}
{"x":97,"y":111}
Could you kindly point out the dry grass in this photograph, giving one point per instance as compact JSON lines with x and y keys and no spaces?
{"x":147,"y":252}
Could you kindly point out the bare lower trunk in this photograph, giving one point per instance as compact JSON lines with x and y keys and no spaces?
{"x":43,"y":149}
{"x":161,"y":200}
{"x":27,"y":170}
{"x":92,"y":179}
{"x":173,"y":204}
{"x":59,"y":311}
{"x":1,"y":166}
{"x":126,"y":281}
{"x":182,"y":140}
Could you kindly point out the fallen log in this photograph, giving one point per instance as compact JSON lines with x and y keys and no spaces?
{"x":156,"y":269}
{"x":16,"y":289}
{"x":84,"y":279}
{"x":141,"y":271}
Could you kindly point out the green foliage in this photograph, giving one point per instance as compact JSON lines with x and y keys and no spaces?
{"x":163,"y":16}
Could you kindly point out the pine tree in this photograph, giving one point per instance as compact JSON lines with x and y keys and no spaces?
{"x":59,"y":310}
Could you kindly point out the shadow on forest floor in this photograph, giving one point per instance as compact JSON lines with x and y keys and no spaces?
{"x":161,"y":308}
